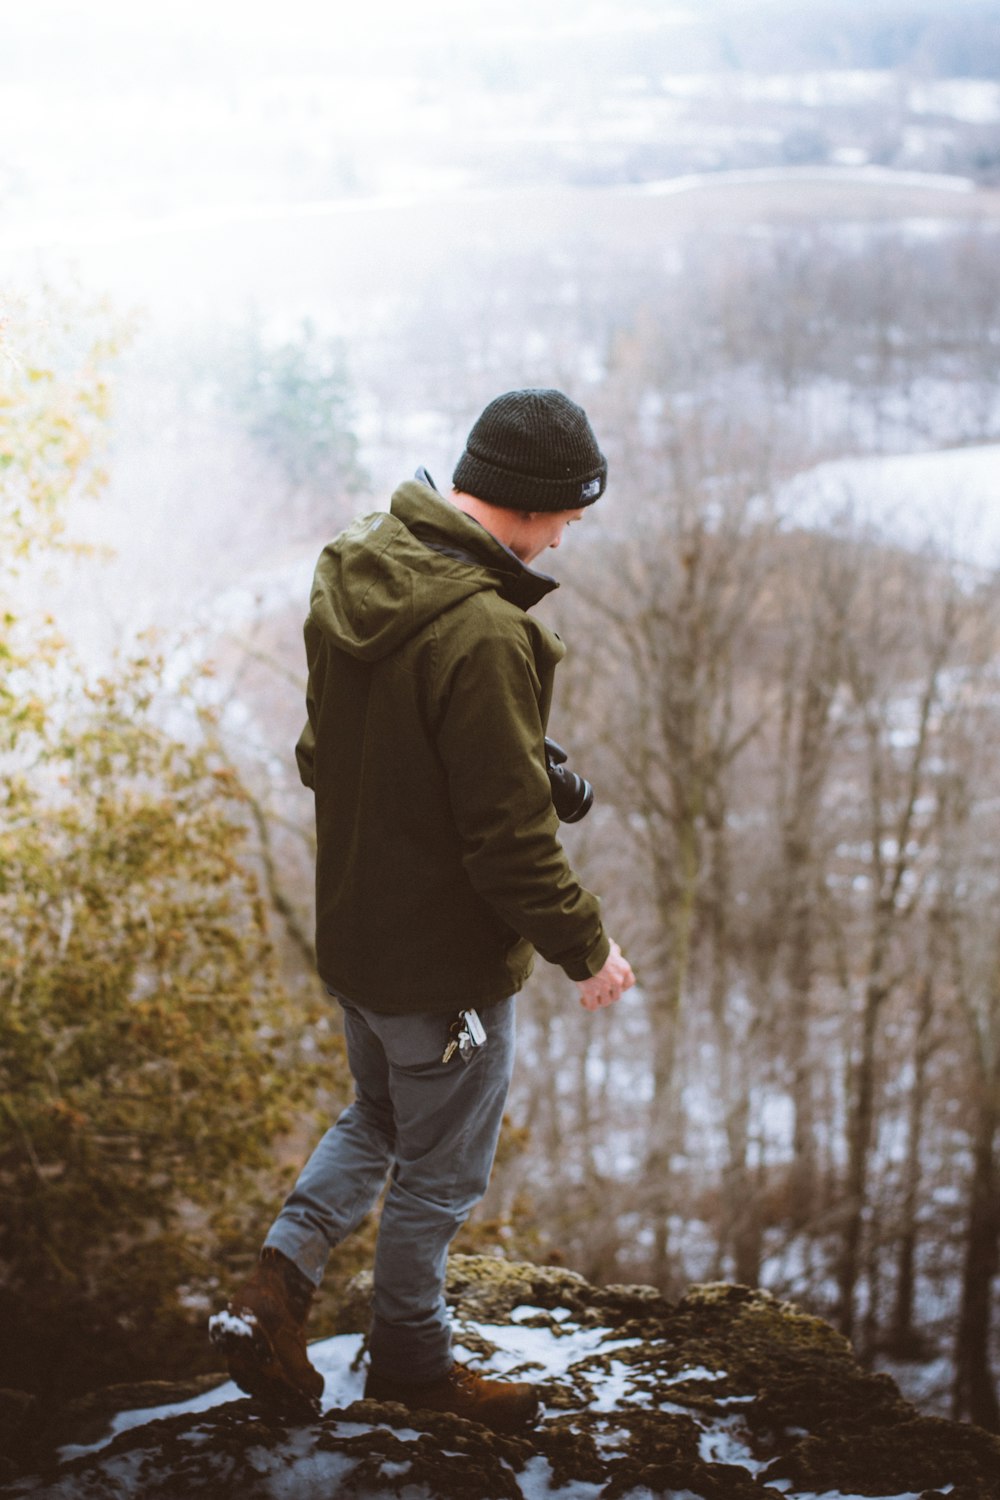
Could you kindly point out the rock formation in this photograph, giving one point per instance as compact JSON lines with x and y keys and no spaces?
{"x":726,"y":1395}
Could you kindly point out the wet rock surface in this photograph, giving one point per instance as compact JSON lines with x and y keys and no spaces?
{"x":727,"y":1395}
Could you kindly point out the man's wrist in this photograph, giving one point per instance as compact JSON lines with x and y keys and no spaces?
{"x":593,"y":961}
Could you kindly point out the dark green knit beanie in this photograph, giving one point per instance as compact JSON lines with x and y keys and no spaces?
{"x":533,"y":450}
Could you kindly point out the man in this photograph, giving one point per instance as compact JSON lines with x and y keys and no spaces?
{"x":439,"y":873}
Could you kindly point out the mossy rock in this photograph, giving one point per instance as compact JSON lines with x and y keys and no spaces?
{"x":723,"y":1395}
{"x":487,"y":1288}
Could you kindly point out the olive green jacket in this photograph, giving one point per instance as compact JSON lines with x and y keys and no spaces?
{"x":439,"y":870}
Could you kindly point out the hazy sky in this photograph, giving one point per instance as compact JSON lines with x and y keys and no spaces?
{"x":242,"y":25}
{"x":208,"y":163}
{"x":93,"y":99}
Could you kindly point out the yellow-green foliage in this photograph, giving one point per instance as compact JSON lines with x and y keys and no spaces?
{"x":54,"y":397}
{"x":135,"y":983}
{"x":148,"y":1057}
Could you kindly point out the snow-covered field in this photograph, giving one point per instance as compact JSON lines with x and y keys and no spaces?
{"x":973,"y":100}
{"x":947,"y":500}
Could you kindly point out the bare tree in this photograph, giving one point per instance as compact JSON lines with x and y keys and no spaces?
{"x":819,"y":580}
{"x":903,"y":1339}
{"x":969,"y":889}
{"x":666,"y":616}
{"x":903,"y":631}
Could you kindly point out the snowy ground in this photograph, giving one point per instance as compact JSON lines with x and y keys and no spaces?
{"x":945,"y":500}
{"x":566,"y":1352}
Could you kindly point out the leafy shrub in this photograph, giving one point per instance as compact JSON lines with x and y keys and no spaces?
{"x":150,"y":1062}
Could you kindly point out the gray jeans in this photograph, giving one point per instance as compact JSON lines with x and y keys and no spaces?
{"x":435,"y":1125}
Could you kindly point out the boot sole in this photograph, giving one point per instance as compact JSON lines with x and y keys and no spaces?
{"x":255,"y":1368}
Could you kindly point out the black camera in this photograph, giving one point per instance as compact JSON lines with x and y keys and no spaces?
{"x":572,"y":795}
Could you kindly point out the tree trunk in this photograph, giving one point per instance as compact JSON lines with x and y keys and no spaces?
{"x":903,"y":1340}
{"x":804,"y":1177}
{"x":975,"y":1393}
{"x":811,"y":756}
{"x":860,"y":1126}
{"x":738,"y":1232}
{"x":678,"y":907}
{"x":740,"y":1194}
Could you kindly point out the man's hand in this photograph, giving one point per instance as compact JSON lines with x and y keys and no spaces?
{"x":609,"y":984}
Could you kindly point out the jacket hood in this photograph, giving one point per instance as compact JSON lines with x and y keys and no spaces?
{"x":389,"y":574}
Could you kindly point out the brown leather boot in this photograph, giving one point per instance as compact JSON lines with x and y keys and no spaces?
{"x":263,"y":1335}
{"x":504,"y":1405}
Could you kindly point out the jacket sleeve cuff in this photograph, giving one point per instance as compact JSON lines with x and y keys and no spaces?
{"x":593,"y":962}
{"x":304,"y":758}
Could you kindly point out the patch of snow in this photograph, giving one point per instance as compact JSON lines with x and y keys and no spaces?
{"x":849,"y":156}
{"x":836,"y":86}
{"x":975,"y":101}
{"x":526,"y":1348}
{"x":697,"y":1372}
{"x":535,"y":1483}
{"x":944,"y":499}
{"x":225,"y":1322}
{"x":333,"y":1358}
{"x":863,"y":176}
{"x":614,"y":1388}
{"x":337,"y":1361}
{"x":525,"y":1310}
{"x":294,"y":1471}
{"x":728,"y":1442}
{"x":784,"y":1485}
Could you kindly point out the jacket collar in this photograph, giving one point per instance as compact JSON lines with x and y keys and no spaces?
{"x":444,"y":528}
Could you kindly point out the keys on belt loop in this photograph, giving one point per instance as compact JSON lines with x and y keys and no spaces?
{"x":465,"y":1034}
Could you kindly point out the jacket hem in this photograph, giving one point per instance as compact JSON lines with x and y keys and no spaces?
{"x":426,"y":1005}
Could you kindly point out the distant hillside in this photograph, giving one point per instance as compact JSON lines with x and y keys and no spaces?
{"x":956,"y":40}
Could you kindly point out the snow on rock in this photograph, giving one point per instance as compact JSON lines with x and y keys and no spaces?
{"x":727,"y":1395}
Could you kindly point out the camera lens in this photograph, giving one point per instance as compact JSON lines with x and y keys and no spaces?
{"x":572,"y":795}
